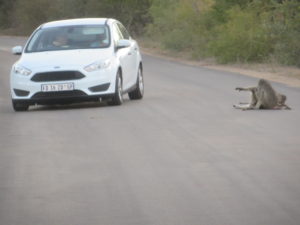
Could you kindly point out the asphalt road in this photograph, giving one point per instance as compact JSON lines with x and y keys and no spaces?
{"x":180,"y":156}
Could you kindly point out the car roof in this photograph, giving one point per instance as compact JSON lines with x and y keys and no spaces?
{"x":73,"y":22}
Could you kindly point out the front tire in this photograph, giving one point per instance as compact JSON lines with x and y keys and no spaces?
{"x":138,"y":93}
{"x":118,"y":96}
{"x":19,"y":106}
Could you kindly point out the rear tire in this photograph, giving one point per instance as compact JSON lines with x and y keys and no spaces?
{"x":138,"y":93}
{"x":19,"y":106}
{"x":118,"y":96}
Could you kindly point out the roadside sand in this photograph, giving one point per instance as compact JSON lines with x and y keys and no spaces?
{"x":281,"y":74}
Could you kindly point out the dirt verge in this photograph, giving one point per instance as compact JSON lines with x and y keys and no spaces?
{"x":282,"y":74}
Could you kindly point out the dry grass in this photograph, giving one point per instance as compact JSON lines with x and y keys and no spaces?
{"x":271,"y":71}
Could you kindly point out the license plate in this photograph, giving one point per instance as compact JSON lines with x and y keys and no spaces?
{"x":57,"y":87}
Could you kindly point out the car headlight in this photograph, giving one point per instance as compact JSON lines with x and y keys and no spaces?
{"x":21,"y":70}
{"x":97,"y":65}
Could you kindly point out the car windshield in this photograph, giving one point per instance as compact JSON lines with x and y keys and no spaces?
{"x":69,"y":37}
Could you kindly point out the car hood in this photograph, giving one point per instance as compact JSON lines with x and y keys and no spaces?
{"x":61,"y":59}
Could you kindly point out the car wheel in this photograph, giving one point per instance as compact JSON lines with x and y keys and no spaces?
{"x":19,"y":106}
{"x":139,"y":91}
{"x":118,"y":96}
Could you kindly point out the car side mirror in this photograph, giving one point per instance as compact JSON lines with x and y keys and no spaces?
{"x":123,"y":44}
{"x":17,"y":50}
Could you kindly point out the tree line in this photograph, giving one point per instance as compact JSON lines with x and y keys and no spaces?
{"x":227,"y":30}
{"x":22,"y":16}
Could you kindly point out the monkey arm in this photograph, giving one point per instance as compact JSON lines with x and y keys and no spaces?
{"x":252,"y":89}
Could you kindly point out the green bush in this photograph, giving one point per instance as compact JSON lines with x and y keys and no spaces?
{"x":230,"y":31}
{"x":178,"y":24}
{"x":6,"y":7}
{"x":26,"y":15}
{"x":244,"y":38}
{"x":286,"y":29}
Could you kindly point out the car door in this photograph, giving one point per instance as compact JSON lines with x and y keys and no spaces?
{"x":132,"y":56}
{"x":124,"y":56}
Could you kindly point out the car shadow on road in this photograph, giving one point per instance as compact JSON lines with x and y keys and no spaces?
{"x":72,"y":106}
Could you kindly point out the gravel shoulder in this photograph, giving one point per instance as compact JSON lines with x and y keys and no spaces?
{"x":287,"y":75}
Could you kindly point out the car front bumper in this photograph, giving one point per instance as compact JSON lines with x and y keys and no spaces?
{"x":89,"y":87}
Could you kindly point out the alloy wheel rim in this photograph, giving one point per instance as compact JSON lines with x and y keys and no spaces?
{"x":141,"y":81}
{"x":120,"y":88}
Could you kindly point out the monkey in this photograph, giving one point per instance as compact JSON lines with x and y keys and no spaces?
{"x":263,"y":97}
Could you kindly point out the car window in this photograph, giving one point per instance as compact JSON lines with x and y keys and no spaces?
{"x":117,"y":35}
{"x":124,"y":32}
{"x":69,"y":37}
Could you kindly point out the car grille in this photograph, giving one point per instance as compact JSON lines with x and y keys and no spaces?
{"x":57,"y":76}
{"x":58,"y":94}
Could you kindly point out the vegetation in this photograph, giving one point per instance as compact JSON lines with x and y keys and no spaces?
{"x":25,"y":15}
{"x":228,"y":30}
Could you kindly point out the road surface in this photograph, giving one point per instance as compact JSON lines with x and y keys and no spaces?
{"x":180,"y":156}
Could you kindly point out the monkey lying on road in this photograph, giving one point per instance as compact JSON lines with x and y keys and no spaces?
{"x":263,"y":97}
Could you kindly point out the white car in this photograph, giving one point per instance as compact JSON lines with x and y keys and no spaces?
{"x":77,"y":60}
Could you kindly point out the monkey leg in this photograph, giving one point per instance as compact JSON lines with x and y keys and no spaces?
{"x":243,"y":107}
{"x":258,"y":105}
